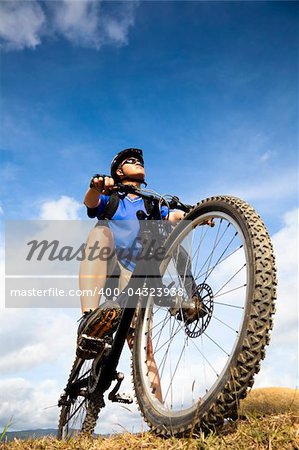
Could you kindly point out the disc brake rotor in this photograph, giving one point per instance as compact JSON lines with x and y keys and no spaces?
{"x":198,"y":317}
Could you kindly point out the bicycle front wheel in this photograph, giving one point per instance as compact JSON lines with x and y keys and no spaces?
{"x":191,"y":370}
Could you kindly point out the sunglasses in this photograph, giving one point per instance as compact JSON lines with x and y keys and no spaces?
{"x":132,"y":161}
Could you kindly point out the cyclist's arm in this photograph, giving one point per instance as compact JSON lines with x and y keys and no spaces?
{"x":175,"y":215}
{"x":92,"y":198}
{"x":172,"y":215}
{"x":179,"y":215}
{"x":102,"y":185}
{"x":97,"y":211}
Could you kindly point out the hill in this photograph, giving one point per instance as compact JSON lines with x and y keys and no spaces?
{"x":30,"y":434}
{"x":272,"y":400}
{"x":269,"y":419}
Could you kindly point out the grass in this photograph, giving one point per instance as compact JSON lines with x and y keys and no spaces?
{"x":263,"y":427}
{"x":2,"y":436}
{"x":273,"y":400}
{"x":275,"y":432}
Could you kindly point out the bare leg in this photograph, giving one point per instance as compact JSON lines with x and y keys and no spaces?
{"x":93,"y":270}
{"x":153,"y":374}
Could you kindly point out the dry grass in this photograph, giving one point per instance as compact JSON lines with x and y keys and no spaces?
{"x":271,"y":433}
{"x":274,"y":400}
{"x":265,"y":427}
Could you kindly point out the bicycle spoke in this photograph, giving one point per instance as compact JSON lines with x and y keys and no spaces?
{"x":244,"y":265}
{"x":173,"y":375}
{"x":164,"y":359}
{"x":228,"y":292}
{"x":219,"y":346}
{"x":169,"y":340}
{"x":228,"y":326}
{"x":157,"y":325}
{"x":162,"y":363}
{"x":204,"y":357}
{"x":209,"y":271}
{"x":157,"y":350}
{"x":229,"y":305}
{"x":203,"y":235}
{"x":192,"y":341}
{"x":215,"y":245}
{"x":220,"y":261}
{"x":75,"y":412}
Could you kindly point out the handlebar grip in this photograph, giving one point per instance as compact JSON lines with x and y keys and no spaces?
{"x":97,"y":175}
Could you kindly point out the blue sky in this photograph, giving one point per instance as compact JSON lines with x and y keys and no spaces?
{"x":209,"y":90}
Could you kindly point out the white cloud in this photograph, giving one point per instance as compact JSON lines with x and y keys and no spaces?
{"x":280,"y":367}
{"x":51,"y":334}
{"x":27,"y":404}
{"x":285,"y":244}
{"x":88,"y":23}
{"x":65,"y":208}
{"x":21,"y":24}
{"x":273,"y":375}
{"x":77,"y":21}
{"x":2,"y":276}
{"x":115,"y":31}
{"x":279,"y":186}
{"x":268,"y":154}
{"x":92,"y":23}
{"x":116,"y":27}
{"x":265,"y":192}
{"x":32,"y":405}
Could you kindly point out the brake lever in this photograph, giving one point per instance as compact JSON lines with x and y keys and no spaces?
{"x":176,"y":203}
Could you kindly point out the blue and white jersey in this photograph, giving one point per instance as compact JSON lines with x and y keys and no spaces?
{"x":125,"y":226}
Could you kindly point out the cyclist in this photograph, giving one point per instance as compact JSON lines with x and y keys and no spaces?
{"x":127,"y":167}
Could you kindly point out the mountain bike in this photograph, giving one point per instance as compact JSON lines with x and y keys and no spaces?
{"x":202,"y":315}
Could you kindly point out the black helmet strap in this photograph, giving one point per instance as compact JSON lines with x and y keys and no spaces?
{"x":133,"y":179}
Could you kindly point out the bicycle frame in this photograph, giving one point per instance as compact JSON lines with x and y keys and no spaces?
{"x":151,"y":269}
{"x":136,"y":282}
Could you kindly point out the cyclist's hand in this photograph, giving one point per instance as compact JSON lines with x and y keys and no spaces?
{"x":102,"y":183}
{"x":209,"y":222}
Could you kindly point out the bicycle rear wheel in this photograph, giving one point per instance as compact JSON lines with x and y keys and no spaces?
{"x":79,"y":408}
{"x":205,"y":365}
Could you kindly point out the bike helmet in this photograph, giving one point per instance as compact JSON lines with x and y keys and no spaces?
{"x":121,"y":156}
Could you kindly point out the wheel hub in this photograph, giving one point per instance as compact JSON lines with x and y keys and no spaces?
{"x":197,"y":315}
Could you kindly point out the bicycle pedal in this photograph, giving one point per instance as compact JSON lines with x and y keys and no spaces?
{"x":64,"y":401}
{"x":91,"y":343}
{"x":121,"y":398}
{"x":89,"y":347}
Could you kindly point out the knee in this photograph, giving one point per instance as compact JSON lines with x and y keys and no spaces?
{"x":102,"y":235}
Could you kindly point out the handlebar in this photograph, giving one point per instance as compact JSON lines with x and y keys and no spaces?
{"x":173,"y":203}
